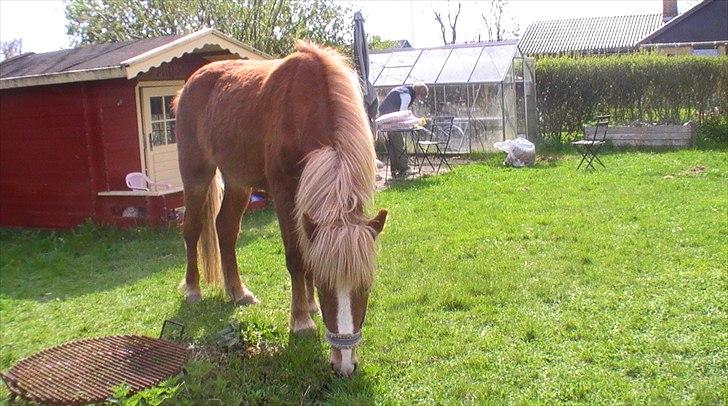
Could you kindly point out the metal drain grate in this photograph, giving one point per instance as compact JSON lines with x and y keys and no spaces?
{"x":86,"y":371}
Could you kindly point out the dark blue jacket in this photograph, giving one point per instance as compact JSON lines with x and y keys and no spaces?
{"x":392,"y":101}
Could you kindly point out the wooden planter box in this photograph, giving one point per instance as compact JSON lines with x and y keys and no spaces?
{"x":666,"y":136}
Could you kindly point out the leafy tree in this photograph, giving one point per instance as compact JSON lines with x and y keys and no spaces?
{"x":376,"y":43}
{"x":268,"y":25}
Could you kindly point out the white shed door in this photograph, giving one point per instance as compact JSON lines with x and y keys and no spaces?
{"x":160,"y":142}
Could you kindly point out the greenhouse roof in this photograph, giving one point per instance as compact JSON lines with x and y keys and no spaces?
{"x":480,"y":62}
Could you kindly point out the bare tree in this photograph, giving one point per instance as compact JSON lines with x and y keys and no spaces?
{"x":495,"y":21}
{"x":11,"y":48}
{"x":451,"y":22}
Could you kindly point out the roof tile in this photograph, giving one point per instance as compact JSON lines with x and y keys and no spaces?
{"x":593,"y":34}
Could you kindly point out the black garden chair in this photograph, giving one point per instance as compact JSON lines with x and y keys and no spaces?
{"x":591,"y":144}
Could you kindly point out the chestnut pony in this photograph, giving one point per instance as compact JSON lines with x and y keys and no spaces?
{"x":297,"y":128}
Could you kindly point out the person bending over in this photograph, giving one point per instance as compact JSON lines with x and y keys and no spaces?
{"x":398,"y":99}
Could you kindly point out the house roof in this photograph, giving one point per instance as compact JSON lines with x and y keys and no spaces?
{"x":686,"y":15}
{"x":593,"y":34}
{"x":401,"y":43}
{"x":114,"y":60}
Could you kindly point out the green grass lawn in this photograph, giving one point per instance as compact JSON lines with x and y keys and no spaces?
{"x":495,"y":285}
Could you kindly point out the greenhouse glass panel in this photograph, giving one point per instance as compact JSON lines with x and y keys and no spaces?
{"x":429,"y":65}
{"x":510,"y":114}
{"x":460,"y":65}
{"x":376,"y":64}
{"x":530,"y":99}
{"x":486,"y":122}
{"x":403,"y":58}
{"x":393,"y":76}
{"x":518,"y":69}
{"x":455,"y":101}
{"x":493,"y":64}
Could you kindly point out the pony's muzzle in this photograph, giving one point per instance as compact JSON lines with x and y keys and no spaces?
{"x":343,"y":362}
{"x":344,"y":370}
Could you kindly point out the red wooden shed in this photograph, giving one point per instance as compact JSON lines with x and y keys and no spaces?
{"x":74,"y":123}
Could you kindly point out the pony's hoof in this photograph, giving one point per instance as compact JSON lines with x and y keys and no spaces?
{"x":304,"y":328}
{"x":313,"y":309}
{"x":247,"y":299}
{"x":191,"y":295}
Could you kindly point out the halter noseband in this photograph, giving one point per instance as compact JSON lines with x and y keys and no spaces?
{"x":343,"y":341}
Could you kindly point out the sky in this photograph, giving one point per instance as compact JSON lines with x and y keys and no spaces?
{"x":41,"y":23}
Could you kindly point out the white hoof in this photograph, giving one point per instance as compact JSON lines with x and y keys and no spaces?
{"x":191,"y":295}
{"x":303,"y":327}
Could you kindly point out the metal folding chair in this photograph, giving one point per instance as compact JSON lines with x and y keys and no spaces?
{"x":437,"y":137}
{"x":408,"y":136}
{"x":591,"y":144}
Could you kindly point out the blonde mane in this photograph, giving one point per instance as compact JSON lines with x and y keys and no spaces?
{"x":337,"y":184}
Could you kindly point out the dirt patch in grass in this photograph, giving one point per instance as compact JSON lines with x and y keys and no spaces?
{"x":384,"y":178}
{"x":549,"y":159}
{"x":694,"y":171}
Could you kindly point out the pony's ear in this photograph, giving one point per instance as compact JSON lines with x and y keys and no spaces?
{"x":377,"y":223}
{"x":309,"y":227}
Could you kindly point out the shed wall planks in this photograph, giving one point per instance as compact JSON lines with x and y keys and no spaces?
{"x":60,"y":145}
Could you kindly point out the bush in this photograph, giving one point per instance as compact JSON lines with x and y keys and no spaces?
{"x":631,"y":88}
{"x":713,"y":131}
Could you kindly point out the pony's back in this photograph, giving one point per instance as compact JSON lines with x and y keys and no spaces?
{"x":215,"y":110}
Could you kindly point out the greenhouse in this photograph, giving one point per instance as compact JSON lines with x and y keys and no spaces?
{"x":486,"y":86}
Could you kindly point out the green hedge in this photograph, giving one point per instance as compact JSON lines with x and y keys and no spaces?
{"x":631,"y":88}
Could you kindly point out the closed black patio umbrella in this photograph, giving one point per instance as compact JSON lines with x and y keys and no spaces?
{"x":361,"y":58}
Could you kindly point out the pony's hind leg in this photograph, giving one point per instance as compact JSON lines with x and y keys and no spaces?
{"x":234,"y":202}
{"x":195,"y":198}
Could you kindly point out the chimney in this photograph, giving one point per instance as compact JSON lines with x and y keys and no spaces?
{"x":669,"y":10}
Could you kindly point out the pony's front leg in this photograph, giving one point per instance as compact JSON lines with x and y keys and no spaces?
{"x":313,"y":307}
{"x":301,"y":321}
{"x":234,"y":202}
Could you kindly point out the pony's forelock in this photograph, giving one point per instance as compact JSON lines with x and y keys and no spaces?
{"x":342,"y":255}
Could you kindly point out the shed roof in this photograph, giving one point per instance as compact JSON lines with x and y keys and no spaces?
{"x":114,"y":60}
{"x":480,"y":62}
{"x":81,"y":58}
{"x":593,"y":34}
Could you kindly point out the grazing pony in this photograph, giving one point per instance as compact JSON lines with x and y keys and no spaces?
{"x":297,"y":128}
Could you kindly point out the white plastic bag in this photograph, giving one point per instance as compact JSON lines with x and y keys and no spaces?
{"x":399,"y":120}
{"x":521,"y":152}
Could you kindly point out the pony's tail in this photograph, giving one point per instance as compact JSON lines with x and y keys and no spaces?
{"x":208,"y":247}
